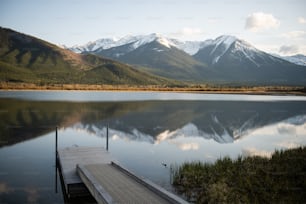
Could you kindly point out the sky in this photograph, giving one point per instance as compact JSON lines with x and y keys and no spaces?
{"x":275,"y":26}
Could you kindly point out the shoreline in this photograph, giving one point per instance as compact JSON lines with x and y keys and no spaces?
{"x":256,"y":90}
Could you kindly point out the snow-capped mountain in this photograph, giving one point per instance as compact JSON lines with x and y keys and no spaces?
{"x":190,"y":47}
{"x":133,"y":41}
{"x":130,"y":43}
{"x":91,"y":46}
{"x":218,"y":47}
{"x":241,"y":62}
{"x":214,"y":51}
{"x":156,"y":54}
{"x":224,"y":59}
{"x":296,"y":59}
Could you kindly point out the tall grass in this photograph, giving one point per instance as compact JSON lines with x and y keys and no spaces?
{"x":280,"y":179}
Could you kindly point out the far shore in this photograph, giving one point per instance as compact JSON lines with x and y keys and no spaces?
{"x":255,"y":90}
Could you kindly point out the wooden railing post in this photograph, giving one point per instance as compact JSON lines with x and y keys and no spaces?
{"x":56,"y":140}
{"x":107,"y":137}
{"x":56,"y":159}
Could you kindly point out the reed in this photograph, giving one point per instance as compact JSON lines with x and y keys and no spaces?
{"x":279,"y":179}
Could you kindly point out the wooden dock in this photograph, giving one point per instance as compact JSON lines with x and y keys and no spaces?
{"x":92,"y":169}
{"x":69,"y":157}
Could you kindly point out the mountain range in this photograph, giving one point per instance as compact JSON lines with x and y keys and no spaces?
{"x":24,"y":58}
{"x":225,"y":59}
{"x":145,"y":60}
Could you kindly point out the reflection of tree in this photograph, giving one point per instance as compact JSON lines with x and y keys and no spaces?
{"x":22,"y":120}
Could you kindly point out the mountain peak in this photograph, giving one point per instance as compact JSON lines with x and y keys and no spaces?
{"x":219,"y":46}
{"x":226,"y":39}
{"x":157,"y":37}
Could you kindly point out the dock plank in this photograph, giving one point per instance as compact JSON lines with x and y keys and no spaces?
{"x":120,"y":187}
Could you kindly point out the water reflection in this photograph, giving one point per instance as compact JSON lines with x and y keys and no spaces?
{"x":144,"y":135}
{"x":151,"y":121}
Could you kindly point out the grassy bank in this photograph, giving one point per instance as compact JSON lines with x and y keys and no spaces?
{"x":279,"y":90}
{"x":279,"y":179}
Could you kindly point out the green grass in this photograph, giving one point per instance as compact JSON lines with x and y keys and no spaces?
{"x":280,"y":179}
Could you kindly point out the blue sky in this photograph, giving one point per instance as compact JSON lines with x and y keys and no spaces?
{"x":277,"y":26}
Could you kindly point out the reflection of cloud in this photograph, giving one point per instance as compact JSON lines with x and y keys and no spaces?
{"x":4,"y":188}
{"x":32,"y":195}
{"x":115,"y":137}
{"x":287,"y":129}
{"x":188,"y":146}
{"x":288,"y":144}
{"x":31,"y":192}
{"x":261,"y":21}
{"x":163,"y":136}
{"x":187,"y":130}
{"x":252,"y":151}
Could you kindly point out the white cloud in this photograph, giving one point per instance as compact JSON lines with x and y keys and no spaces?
{"x":247,"y":152}
{"x":270,"y":48}
{"x":289,"y":49}
{"x":191,"y":31}
{"x":188,"y":146}
{"x":294,"y":34}
{"x":261,"y":21}
{"x":302,"y":20}
{"x":188,"y":33}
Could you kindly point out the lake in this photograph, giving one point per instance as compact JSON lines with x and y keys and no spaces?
{"x":150,"y":132}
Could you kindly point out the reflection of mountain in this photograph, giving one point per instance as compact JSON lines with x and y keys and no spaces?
{"x":22,"y":120}
{"x":188,"y":130}
{"x":151,"y":121}
{"x":224,"y":121}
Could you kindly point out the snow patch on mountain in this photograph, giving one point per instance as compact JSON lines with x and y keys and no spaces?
{"x":134,"y":41}
{"x":226,"y":40}
{"x":218,"y":47}
{"x":247,"y":50}
{"x":190,"y":47}
{"x":296,"y":59}
{"x":104,"y":43}
{"x":221,"y":43}
{"x":157,"y":50}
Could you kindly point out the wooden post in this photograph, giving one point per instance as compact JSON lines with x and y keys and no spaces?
{"x":107,"y":137}
{"x":56,"y":141}
{"x":56,"y":160}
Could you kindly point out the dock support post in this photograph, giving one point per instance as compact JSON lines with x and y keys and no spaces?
{"x":56,"y":160}
{"x":56,"y":140}
{"x":107,"y":137}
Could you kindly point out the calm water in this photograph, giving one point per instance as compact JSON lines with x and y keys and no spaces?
{"x":146,"y":130}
